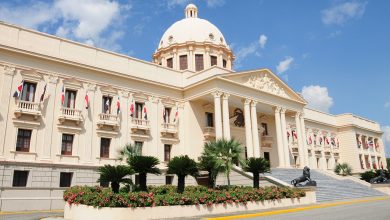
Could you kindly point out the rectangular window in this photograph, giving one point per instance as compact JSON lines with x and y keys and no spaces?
{"x":183,"y":62}
{"x":170,"y":63}
{"x":67,"y":143}
{"x":209,"y":119}
{"x":213,"y":60}
{"x":28,"y":92}
{"x":167,"y":152}
{"x":138,"y":146}
{"x":70,"y":99}
{"x":105,"y":147}
{"x":106,"y":104}
{"x":167,"y":115}
{"x":265,"y":126}
{"x":199,"y":66}
{"x":23,"y":140}
{"x":139,"y":110}
{"x":65,"y":179}
{"x":20,"y":178}
{"x":168,"y":180}
{"x":224,"y":63}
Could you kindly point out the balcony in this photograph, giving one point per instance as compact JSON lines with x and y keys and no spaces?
{"x":209,"y":133}
{"x":27,"y":108}
{"x":108,"y":120}
{"x":70,"y":114}
{"x":169,"y":128}
{"x":139,"y":124}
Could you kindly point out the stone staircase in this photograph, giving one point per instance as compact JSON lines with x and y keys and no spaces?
{"x":328,"y":188}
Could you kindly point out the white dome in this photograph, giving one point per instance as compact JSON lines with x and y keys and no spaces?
{"x":192,"y":28}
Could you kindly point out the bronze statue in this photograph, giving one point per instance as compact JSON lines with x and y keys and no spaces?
{"x":380,"y":179}
{"x":305,"y":177}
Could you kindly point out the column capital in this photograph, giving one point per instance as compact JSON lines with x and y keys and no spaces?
{"x":216,"y":94}
{"x":277,"y":109}
{"x":124,"y":94}
{"x":53,"y":79}
{"x":253,"y":103}
{"x":298,"y":114}
{"x":302,"y":115}
{"x":246,"y":101}
{"x":283,"y":110}
{"x":225,"y":95}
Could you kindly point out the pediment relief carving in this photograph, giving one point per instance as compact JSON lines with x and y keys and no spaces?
{"x":265,"y":83}
{"x":31,"y":75}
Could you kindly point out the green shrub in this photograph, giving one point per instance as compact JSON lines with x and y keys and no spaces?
{"x":166,"y":196}
{"x":368,"y":175}
{"x":343,"y":169}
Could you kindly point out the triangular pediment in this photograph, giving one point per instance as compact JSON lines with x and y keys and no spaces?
{"x":265,"y":81}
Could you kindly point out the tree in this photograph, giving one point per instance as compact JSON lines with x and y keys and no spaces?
{"x":226,"y":153}
{"x":182,"y":166}
{"x":140,"y":164}
{"x":115,"y":175}
{"x":257,"y":166}
{"x":343,"y":169}
{"x":209,"y":164}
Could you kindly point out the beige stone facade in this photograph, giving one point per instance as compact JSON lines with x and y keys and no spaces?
{"x":168,"y":110}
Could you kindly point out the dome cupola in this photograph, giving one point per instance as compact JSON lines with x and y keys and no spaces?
{"x":193,"y":44}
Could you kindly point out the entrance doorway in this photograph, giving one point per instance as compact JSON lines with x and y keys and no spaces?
{"x":266,"y":156}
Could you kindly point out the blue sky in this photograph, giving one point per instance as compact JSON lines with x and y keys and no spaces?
{"x":335,"y":52}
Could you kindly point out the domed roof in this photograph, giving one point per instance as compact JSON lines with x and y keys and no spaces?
{"x":192,"y":28}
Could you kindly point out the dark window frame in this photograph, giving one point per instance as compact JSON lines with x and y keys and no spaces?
{"x":167,"y":152}
{"x":183,"y":60}
{"x":199,"y":62}
{"x":213,"y":60}
{"x":20,"y":178}
{"x":105,"y":144}
{"x":104,"y":100}
{"x":265,"y":126}
{"x":66,"y":179}
{"x":209,"y":119}
{"x":26,"y":92}
{"x":66,"y":141}
{"x":68,"y":98}
{"x":139,"y":112}
{"x":23,"y":141}
{"x":170,"y":62}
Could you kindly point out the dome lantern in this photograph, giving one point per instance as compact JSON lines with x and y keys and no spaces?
{"x":191,"y":11}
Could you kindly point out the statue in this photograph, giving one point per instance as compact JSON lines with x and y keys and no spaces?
{"x":305,"y":177}
{"x":239,"y":115}
{"x":380,"y":179}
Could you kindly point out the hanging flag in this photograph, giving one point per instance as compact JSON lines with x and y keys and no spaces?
{"x":320,"y":140}
{"x":333,"y":142}
{"x":294,"y":134}
{"x":176,"y":115}
{"x":370,"y":143}
{"x":310,"y":141}
{"x":107,"y":105}
{"x":288,"y":135}
{"x":118,"y":106}
{"x":164,"y":115}
{"x":62,"y":96}
{"x":326,"y":140}
{"x":86,"y":101}
{"x":132,"y":108}
{"x":43,"y":94}
{"x":145,"y":113}
{"x":19,"y":90}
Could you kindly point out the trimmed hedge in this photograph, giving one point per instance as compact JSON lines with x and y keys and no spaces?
{"x":166,"y":196}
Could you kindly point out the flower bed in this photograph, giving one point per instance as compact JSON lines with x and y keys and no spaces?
{"x":166,"y":196}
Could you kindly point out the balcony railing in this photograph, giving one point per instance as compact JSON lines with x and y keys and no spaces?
{"x":209,"y":132}
{"x":169,"y":128}
{"x":141,"y":124}
{"x":70,"y":114}
{"x":267,"y":139}
{"x":109,"y":120}
{"x":26,"y":107}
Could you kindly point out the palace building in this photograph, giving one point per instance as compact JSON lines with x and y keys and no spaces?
{"x":68,"y":108}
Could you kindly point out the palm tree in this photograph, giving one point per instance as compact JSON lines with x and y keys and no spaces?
{"x":209,"y":164}
{"x":144,"y":165}
{"x":256,"y":166}
{"x":140,"y":164}
{"x":343,"y":169}
{"x":182,"y":166}
{"x":226,"y":153}
{"x":115,"y":175}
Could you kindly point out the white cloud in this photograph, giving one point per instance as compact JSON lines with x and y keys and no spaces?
{"x":341,"y":13}
{"x":93,"y":22}
{"x":173,"y":3}
{"x":387,"y":104}
{"x":215,"y":3}
{"x":262,"y":40}
{"x":317,"y":97}
{"x":284,"y":65}
{"x":386,"y":138}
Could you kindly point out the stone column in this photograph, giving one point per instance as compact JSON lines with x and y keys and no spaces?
{"x":300,"y":139}
{"x":225,"y":111}
{"x":190,"y":58}
{"x":279,"y":139}
{"x":174,"y":60}
{"x":6,"y":93}
{"x":206,"y":58}
{"x":377,"y":162}
{"x":286,"y":147}
{"x":255,"y":130}
{"x":248,"y":128}
{"x":364,"y":161}
{"x":217,"y":113}
{"x":304,"y":140}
